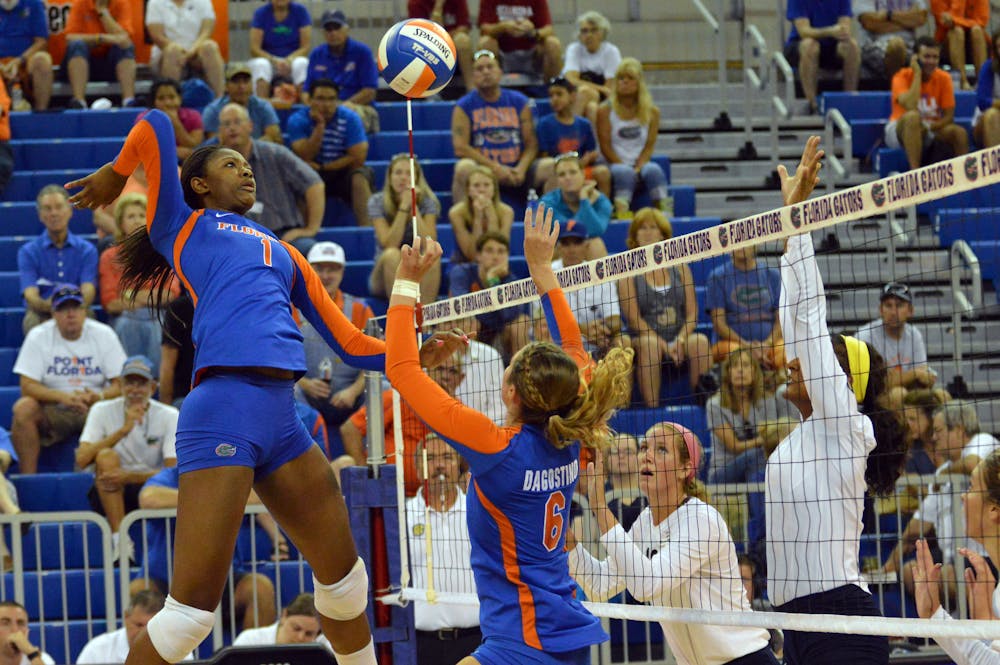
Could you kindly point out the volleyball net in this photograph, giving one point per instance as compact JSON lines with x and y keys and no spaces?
{"x":919,"y":245}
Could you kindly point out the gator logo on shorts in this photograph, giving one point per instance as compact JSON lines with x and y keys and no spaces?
{"x":225,"y":450}
{"x":599,"y":269}
{"x":878,"y":194}
{"x":796,"y":215}
{"x":658,"y":253}
{"x":971,"y":169}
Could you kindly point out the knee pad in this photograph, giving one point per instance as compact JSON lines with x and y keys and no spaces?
{"x":344,"y":599}
{"x":178,"y":629}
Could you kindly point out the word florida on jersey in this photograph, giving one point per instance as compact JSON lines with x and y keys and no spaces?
{"x":546,"y":480}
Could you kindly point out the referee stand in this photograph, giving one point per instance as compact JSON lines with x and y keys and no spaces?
{"x":372,"y":506}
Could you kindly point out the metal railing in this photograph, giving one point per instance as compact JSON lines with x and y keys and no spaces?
{"x":760,"y":75}
{"x":963,"y":263}
{"x":834,"y":122}
{"x":717,"y":23}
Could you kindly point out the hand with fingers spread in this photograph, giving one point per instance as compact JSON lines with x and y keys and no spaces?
{"x":540,"y":234}
{"x":797,"y":188}
{"x":97,"y":189}
{"x":441,"y":346}
{"x":417,"y":260}
{"x":981,"y":583}
{"x":926,"y":581}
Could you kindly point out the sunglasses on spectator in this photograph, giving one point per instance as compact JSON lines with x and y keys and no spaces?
{"x":572,"y":154}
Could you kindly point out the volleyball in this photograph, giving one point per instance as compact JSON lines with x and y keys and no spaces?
{"x":416,"y":57}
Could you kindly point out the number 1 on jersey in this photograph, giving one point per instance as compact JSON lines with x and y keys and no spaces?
{"x":554,"y":519}
{"x":267,"y":251}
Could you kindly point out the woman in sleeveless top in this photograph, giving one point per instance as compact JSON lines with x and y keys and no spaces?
{"x":627,"y":126}
{"x":481,"y":211}
{"x":662,"y":311}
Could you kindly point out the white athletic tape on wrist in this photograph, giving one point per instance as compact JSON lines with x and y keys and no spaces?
{"x":406,"y":287}
{"x":178,"y":629}
{"x":345,"y":599}
{"x":816,"y":623}
{"x":952,"y":176}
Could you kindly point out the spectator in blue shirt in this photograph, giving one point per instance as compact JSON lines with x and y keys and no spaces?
{"x":743,"y":301}
{"x":562,"y":132}
{"x":348,"y":63}
{"x":330,"y":137}
{"x":509,"y":325}
{"x":577,"y":199}
{"x":280,"y":35}
{"x":238,"y":91}
{"x":821,"y":37}
{"x":56,"y":256}
{"x":24,"y":35}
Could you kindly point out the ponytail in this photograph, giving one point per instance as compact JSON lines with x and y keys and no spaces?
{"x":143,"y":268}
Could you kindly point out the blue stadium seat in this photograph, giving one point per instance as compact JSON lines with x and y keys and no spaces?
{"x":42,"y":154}
{"x":437,"y":172}
{"x":77,"y":583}
{"x":79,"y":124}
{"x":8,"y":395}
{"x":430,"y":115}
{"x":24,"y":185}
{"x":358,"y":241}
{"x":7,"y":357}
{"x":10,"y":326}
{"x":46,"y":492}
{"x":426,"y":145}
{"x":10,"y":288}
{"x":41,"y":545}
{"x":988,"y":253}
{"x":356,"y":277}
{"x":980,"y":197}
{"x":876,"y":104}
{"x":636,"y":421}
{"x":888,"y":160}
{"x":972,"y":223}
{"x":20,"y":220}
{"x":56,"y":634}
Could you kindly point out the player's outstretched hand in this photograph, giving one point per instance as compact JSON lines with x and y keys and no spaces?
{"x":97,"y":189}
{"x":441,"y":346}
{"x":417,"y":259}
{"x":980,"y":584}
{"x":797,"y":188}
{"x":540,"y":234}
{"x":926,"y":581}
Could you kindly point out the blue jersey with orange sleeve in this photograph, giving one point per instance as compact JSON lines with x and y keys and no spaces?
{"x":242,"y":279}
{"x":519,"y":500}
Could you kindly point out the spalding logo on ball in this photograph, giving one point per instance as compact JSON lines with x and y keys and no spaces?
{"x":416,"y":58}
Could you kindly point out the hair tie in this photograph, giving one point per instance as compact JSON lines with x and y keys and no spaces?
{"x":860,"y":362}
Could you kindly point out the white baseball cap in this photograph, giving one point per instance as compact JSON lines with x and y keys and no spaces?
{"x":326,"y":252}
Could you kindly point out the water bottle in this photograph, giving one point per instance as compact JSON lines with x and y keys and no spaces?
{"x":532,"y":201}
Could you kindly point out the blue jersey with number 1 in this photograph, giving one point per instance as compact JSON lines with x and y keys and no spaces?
{"x":242,"y":279}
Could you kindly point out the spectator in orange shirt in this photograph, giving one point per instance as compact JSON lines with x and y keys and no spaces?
{"x":923,"y":109}
{"x":955,"y":18}
{"x":98,"y":37}
{"x":449,"y":375}
{"x":138,"y":326}
{"x":6,"y":153}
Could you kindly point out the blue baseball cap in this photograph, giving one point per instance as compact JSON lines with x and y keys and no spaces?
{"x":64,"y":293}
{"x":573,"y":229}
{"x":138,"y":366}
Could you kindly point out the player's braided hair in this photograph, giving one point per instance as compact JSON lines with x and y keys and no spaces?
{"x":554,"y":397}
{"x":142,"y":266}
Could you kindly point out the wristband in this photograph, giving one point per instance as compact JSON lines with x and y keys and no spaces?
{"x":406,"y":287}
{"x":33,"y":655}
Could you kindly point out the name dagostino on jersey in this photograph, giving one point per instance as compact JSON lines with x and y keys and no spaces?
{"x":545,"y":480}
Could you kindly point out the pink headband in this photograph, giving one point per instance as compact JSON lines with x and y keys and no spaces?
{"x":693,"y":447}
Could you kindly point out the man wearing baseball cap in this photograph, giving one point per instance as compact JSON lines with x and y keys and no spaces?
{"x":239,"y":90}
{"x":898,"y":341}
{"x":350,"y":64}
{"x":126,"y":440}
{"x":65,"y":365}
{"x":330,"y":386}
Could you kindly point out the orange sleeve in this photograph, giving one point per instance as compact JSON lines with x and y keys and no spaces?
{"x":122,"y":13}
{"x":108,"y":276}
{"x":309,"y":295}
{"x":901,"y":82}
{"x":360,"y":420}
{"x":443,"y":413}
{"x":945,"y":91}
{"x":75,"y":22}
{"x":564,"y":328}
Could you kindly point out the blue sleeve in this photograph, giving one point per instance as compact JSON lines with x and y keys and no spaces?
{"x":27,"y":266}
{"x":88,"y":263}
{"x":301,"y":15}
{"x":587,"y":132}
{"x":299,"y":127}
{"x":595,"y":218}
{"x":546,"y":139}
{"x":39,"y":21}
{"x":166,"y":477}
{"x":795,"y":10}
{"x":311,"y":69}
{"x":151,"y":143}
{"x":715,"y":291}
{"x":459,"y":281}
{"x":210,"y":117}
{"x":984,"y":86}
{"x":268,"y":114}
{"x":367,"y":69}
{"x":258,"y":18}
{"x":355,"y":130}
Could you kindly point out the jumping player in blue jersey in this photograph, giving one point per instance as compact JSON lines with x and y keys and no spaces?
{"x":238,"y":427}
{"x":523,"y":474}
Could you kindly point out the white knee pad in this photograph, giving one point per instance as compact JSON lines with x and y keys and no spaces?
{"x":345,"y":599}
{"x":177,"y":629}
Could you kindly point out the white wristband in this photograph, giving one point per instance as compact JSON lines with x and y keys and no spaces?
{"x":406,"y":287}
